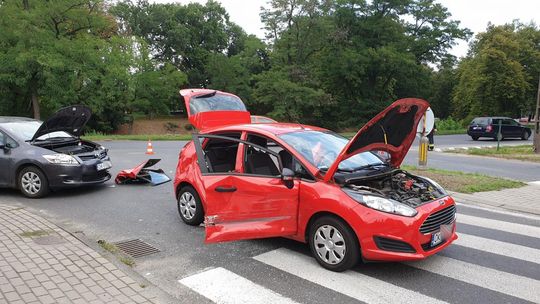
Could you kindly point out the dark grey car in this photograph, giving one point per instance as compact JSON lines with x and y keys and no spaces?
{"x":37,"y":157}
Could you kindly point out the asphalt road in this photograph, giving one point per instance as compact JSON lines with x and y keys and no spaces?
{"x":496,"y":259}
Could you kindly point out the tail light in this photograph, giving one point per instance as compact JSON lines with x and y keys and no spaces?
{"x":489,"y":128}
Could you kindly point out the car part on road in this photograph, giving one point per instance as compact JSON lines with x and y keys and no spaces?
{"x":189,"y":206}
{"x":142,"y":174}
{"x":33,"y":183}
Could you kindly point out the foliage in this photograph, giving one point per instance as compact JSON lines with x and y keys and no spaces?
{"x":448,"y":124}
{"x":499,"y":75}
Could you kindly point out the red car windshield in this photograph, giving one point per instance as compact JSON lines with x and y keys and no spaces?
{"x":322,"y":148}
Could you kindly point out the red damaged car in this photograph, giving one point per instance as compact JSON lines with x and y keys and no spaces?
{"x":248,"y":181}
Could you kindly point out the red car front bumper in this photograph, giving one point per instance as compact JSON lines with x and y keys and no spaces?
{"x":387,"y":237}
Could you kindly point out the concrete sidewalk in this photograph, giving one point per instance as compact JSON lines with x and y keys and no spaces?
{"x":524,"y":199}
{"x":42,"y":263}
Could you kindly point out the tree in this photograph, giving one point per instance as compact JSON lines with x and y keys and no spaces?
{"x":499,"y":75}
{"x":185,"y":36}
{"x":55,"y":53}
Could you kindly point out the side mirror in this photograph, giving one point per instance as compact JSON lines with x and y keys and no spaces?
{"x":287,"y":176}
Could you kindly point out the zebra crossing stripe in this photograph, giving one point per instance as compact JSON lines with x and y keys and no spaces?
{"x":520,"y":287}
{"x":225,"y":287}
{"x":498,"y":225}
{"x":498,"y":247}
{"x":356,"y":285}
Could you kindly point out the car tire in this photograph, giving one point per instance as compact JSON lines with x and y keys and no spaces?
{"x":190,"y":207}
{"x":525,"y":135}
{"x":333,"y":244}
{"x":32,"y":182}
{"x":475,"y":138}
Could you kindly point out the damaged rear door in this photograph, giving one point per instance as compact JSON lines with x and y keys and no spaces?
{"x":241,"y":206}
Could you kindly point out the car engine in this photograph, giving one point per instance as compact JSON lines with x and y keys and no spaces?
{"x":401,"y":186}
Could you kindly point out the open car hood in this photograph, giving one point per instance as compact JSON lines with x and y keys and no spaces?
{"x":210,"y":108}
{"x":70,"y":119}
{"x":393,"y":130}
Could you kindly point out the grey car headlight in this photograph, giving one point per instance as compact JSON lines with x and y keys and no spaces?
{"x":382,"y":204}
{"x":61,"y":159}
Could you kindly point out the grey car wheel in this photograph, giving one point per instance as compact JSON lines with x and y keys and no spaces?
{"x":189,"y":206}
{"x":333,"y":243}
{"x":33,"y":183}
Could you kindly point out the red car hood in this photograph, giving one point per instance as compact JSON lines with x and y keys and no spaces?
{"x":393,"y":130}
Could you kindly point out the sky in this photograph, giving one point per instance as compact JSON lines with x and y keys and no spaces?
{"x":473,"y":14}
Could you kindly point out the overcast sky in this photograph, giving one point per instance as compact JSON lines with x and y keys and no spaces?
{"x":473,"y":14}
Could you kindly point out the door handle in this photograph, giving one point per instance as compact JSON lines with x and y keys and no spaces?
{"x":225,"y":189}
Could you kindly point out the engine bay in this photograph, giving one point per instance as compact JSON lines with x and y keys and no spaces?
{"x":400,"y":186}
{"x":81,"y":148}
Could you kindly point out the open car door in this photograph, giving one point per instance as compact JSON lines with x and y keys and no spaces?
{"x":211,"y":108}
{"x":241,"y":206}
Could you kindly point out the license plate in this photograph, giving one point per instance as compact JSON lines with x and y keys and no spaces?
{"x":436,"y":238}
{"x":104,"y":165}
{"x":477,"y":128}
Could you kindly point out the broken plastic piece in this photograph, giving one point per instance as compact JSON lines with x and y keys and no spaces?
{"x":142,"y":174}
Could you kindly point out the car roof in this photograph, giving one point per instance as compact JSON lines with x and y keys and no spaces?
{"x":8,"y":119}
{"x":496,"y":117}
{"x":268,"y":128}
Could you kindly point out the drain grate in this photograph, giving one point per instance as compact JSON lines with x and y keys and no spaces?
{"x":136,"y":248}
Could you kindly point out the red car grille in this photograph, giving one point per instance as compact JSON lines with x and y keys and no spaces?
{"x":441,"y":217}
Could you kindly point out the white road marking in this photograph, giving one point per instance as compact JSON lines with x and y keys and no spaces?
{"x":498,"y":247}
{"x":500,"y":281}
{"x":499,"y":225}
{"x":356,"y":285}
{"x":535,"y":183}
{"x":225,"y":287}
{"x":506,"y":212}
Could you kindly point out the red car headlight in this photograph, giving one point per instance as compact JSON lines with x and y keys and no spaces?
{"x":381,"y":204}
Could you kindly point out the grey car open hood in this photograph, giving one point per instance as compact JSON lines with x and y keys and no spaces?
{"x":70,"y":119}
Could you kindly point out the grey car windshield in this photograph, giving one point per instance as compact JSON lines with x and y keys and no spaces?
{"x":26,"y":130}
{"x":322,"y":148}
{"x":215,"y":102}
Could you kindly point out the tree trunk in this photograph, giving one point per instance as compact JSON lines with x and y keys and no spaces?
{"x":26,"y":5}
{"x":536,"y":134}
{"x":35,"y":106}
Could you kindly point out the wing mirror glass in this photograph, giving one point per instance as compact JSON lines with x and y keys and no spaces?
{"x":287,"y":176}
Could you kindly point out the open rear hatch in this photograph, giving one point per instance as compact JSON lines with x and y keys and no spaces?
{"x":211,"y":108}
{"x":393,"y":130}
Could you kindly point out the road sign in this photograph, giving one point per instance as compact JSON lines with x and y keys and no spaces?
{"x":426,"y":123}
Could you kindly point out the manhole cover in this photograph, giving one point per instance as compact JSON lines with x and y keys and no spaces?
{"x":136,"y":248}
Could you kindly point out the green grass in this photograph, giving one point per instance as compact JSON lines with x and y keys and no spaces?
{"x":155,"y":137}
{"x":112,"y":248}
{"x":35,"y":233}
{"x":465,"y":182}
{"x":522,"y":152}
{"x":451,"y":132}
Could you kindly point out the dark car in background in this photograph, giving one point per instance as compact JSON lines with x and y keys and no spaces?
{"x":489,"y":127}
{"x":37,"y":157}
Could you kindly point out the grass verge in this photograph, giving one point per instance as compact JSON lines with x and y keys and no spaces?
{"x":105,"y":137}
{"x":35,"y":233}
{"x":465,"y":182}
{"x":112,"y":248}
{"x":522,"y":152}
